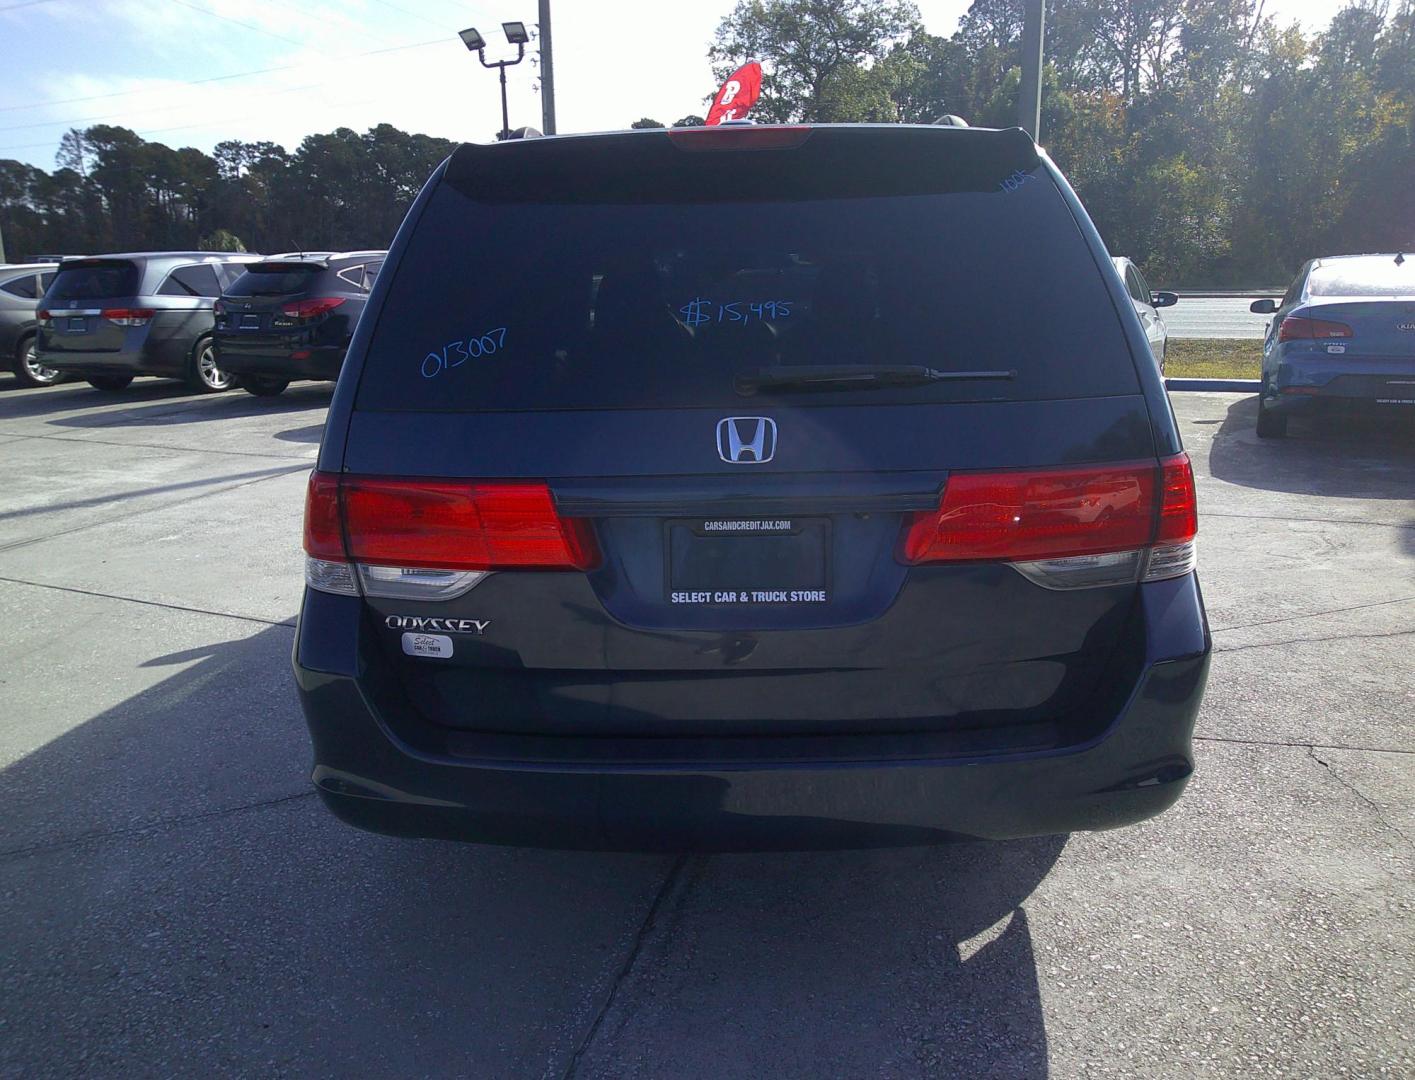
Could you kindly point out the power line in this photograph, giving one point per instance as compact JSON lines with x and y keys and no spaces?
{"x":406,"y":11}
{"x":238,"y":22}
{"x":85,"y":120}
{"x":209,"y":123}
{"x":221,"y":78}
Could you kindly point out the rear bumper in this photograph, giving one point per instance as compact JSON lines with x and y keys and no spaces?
{"x":1307,"y":381}
{"x":707,"y":795}
{"x":250,"y":358}
{"x":166,"y":357}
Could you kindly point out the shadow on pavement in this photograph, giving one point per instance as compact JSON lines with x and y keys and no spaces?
{"x":1369,"y":456}
{"x":870,"y":963}
{"x":44,"y":401}
{"x":311,"y":434}
{"x":175,"y":900}
{"x":199,"y":408}
{"x":160,"y":489}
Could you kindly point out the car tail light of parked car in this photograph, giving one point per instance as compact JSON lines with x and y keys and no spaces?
{"x":1295,"y":327}
{"x":1066,"y":528}
{"x":312,"y":308}
{"x":438,"y":525}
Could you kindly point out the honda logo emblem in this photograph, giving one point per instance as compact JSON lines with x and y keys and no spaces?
{"x":746,"y":440}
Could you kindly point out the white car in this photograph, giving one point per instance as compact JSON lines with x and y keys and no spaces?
{"x":1146,"y":305}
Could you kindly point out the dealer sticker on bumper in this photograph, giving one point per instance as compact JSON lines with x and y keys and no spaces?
{"x":427,"y":645}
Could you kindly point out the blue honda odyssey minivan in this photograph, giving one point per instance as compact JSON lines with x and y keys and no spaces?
{"x":750,"y":487}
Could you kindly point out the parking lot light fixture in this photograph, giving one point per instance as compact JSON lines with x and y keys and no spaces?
{"x":516,"y":34}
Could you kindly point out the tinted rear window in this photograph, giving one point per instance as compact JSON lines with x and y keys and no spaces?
{"x":93,"y":281}
{"x":22,"y":286}
{"x":511,"y":305}
{"x":273,"y":281}
{"x":1363,"y":277}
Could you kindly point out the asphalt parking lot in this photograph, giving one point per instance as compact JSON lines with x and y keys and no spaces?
{"x":174,"y":900}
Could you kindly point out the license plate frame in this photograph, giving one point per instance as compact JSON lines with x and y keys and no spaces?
{"x":250,"y":322}
{"x":747,"y":562}
{"x":78,"y":324}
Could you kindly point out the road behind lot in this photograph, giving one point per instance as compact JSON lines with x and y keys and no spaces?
{"x":174,"y":900}
{"x":1214,"y":317}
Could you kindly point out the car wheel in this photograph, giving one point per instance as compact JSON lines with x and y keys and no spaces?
{"x":1271,"y":425}
{"x":203,"y":375}
{"x":109,"y":382}
{"x":29,"y":370}
{"x":264,"y":386}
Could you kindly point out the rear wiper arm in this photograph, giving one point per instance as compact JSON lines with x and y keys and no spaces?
{"x":854,"y":376}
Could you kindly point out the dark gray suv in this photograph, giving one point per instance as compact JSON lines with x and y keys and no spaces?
{"x":21,"y":286}
{"x":111,"y":317}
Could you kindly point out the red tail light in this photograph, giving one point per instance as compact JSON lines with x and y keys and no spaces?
{"x":1296,"y":328}
{"x":128,"y":316}
{"x":743,"y":137}
{"x":44,"y":317}
{"x":219,"y":308}
{"x":1056,"y":513}
{"x":311,"y":309}
{"x":449,"y":525}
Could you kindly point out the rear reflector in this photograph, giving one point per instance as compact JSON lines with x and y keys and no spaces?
{"x":744,"y":137}
{"x":449,"y":525}
{"x":1296,"y":328}
{"x":1064,"y":528}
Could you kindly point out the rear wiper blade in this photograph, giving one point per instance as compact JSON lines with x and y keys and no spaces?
{"x":854,"y":376}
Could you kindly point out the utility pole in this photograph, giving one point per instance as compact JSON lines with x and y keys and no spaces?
{"x":1029,"y":91}
{"x":547,"y":72}
{"x":2,"y":243}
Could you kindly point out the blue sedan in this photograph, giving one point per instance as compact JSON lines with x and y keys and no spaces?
{"x":1343,"y":333}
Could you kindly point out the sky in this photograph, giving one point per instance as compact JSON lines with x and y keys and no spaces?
{"x":195,"y":72}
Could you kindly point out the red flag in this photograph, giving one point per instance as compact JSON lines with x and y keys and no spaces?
{"x":738,"y":94}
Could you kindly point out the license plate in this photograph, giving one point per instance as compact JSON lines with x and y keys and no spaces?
{"x":78,"y":326}
{"x":250,"y":322}
{"x":748,"y":562}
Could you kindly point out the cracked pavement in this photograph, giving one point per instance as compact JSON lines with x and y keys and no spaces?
{"x":174,"y":900}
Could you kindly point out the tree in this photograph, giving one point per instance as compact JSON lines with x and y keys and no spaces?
{"x":221,"y":240}
{"x":812,"y":51}
{"x":646,"y":122}
{"x":691,"y":120}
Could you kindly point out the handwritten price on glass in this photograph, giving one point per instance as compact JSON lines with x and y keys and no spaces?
{"x":701,"y":310}
{"x":456,"y":353}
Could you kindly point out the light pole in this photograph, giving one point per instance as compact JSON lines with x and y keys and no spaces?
{"x":1029,"y":90}
{"x":517,"y":36}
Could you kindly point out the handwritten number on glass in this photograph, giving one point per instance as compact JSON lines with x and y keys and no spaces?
{"x":456,"y":353}
{"x":1015,"y":181}
{"x":700,"y":310}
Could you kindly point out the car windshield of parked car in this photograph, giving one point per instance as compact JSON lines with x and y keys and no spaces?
{"x":1363,"y":277}
{"x":528,"y":305}
{"x":92,"y":281}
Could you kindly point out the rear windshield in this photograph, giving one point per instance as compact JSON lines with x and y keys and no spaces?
{"x":277,"y":280}
{"x":1363,"y":277}
{"x":93,"y":281}
{"x":516,"y":306}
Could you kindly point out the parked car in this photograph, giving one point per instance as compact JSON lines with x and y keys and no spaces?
{"x":1343,"y":334}
{"x":669,"y":502}
{"x":1147,"y":304}
{"x":109,"y":318}
{"x":21,"y":285}
{"x":292,"y":317}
